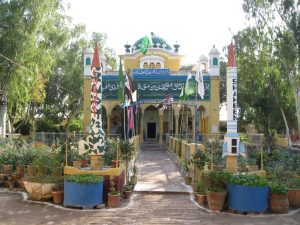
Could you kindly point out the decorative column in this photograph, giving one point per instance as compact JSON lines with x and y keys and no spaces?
{"x":142,"y":127}
{"x":176,"y":124}
{"x":161,"y":117}
{"x":194,"y":123}
{"x":108,"y":123}
{"x":231,"y":138}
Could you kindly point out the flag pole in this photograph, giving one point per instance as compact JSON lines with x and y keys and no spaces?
{"x":196,"y":111}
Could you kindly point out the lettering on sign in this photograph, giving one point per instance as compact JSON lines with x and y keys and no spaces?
{"x":151,"y":72}
{"x":234,"y":99}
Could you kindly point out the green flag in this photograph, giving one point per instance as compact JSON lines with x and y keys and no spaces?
{"x":121,"y":83}
{"x":190,"y":87}
{"x":145,"y":45}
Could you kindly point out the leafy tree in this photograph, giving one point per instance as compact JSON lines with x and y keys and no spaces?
{"x":281,"y":18}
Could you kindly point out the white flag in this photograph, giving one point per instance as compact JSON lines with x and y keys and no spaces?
{"x":200,"y":82}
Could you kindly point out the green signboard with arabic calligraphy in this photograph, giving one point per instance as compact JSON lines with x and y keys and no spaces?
{"x":153,"y":88}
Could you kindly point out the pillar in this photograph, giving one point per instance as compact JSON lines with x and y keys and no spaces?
{"x":142,"y":127}
{"x":231,"y":163}
{"x":161,"y":117}
{"x":176,"y":125}
{"x":108,"y":123}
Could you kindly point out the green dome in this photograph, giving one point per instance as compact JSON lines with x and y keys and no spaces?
{"x":155,"y":41}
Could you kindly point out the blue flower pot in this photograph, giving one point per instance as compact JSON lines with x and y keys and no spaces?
{"x":247,"y":199}
{"x":83,"y":195}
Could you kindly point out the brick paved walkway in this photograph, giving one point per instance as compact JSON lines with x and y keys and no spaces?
{"x":158,"y":175}
{"x":158,"y":171}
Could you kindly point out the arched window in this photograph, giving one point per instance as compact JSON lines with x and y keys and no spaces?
{"x":215,"y":61}
{"x":152,"y":65}
{"x":158,"y":66}
{"x":145,"y":66}
{"x":88,"y":61}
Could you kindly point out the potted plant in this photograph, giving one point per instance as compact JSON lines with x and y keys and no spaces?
{"x":127,"y":190}
{"x":200,"y":158}
{"x":294,"y":191}
{"x":84,"y":159}
{"x":58,"y":192}
{"x":114,"y":196}
{"x":248,"y":193}
{"x":216,"y":191}
{"x":126,"y":153}
{"x":279,"y":202}
{"x":200,"y":192}
{"x":83,"y":190}
{"x":186,"y":168}
{"x":133,"y":178}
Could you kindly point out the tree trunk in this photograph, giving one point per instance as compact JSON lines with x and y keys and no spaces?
{"x":3,"y":120}
{"x":286,"y":128}
{"x":297,"y":102}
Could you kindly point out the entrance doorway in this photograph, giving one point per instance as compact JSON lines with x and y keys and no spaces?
{"x":151,"y":130}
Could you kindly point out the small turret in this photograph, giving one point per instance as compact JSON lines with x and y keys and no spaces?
{"x":214,"y":62}
{"x":87,"y":61}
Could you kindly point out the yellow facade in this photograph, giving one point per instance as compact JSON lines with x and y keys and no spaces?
{"x":164,"y":121}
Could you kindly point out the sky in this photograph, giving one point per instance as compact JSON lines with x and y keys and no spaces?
{"x":196,"y":25}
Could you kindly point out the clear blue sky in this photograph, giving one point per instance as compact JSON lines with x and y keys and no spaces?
{"x":196,"y":24}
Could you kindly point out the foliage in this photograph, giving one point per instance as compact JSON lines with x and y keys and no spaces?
{"x":42,"y":179}
{"x":127,"y":188}
{"x":200,"y":158}
{"x":110,"y":152}
{"x":46,"y":125}
{"x":279,"y":188}
{"x":248,"y":180}
{"x":134,"y":169}
{"x":200,"y":187}
{"x":126,"y":149}
{"x":112,"y":187}
{"x":217,"y":180}
{"x":294,"y":183}
{"x":74,"y":125}
{"x":84,"y":178}
{"x":23,"y":127}
{"x":185,"y":165}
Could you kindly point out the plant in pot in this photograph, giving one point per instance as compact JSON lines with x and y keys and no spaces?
{"x":114,"y":196}
{"x":294,"y":191}
{"x":133,"y":178}
{"x":200,"y":191}
{"x":248,"y":193}
{"x":200,"y":158}
{"x":186,"y":168}
{"x":126,"y":153}
{"x":58,"y":192}
{"x":216,"y":191}
{"x":84,"y":159}
{"x":127,"y":190}
{"x":279,"y":202}
{"x":83,"y":190}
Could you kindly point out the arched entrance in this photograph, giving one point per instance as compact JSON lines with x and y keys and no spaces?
{"x":151,"y":123}
{"x":104,"y":119}
{"x":116,"y":121}
{"x":185,"y":122}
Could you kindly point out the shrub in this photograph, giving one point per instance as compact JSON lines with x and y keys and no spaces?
{"x":84,"y":178}
{"x":74,"y":125}
{"x":278,"y":188}
{"x":217,"y":180}
{"x":200,"y":187}
{"x":248,"y":180}
{"x":200,"y":158}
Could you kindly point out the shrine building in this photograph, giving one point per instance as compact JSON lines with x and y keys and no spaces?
{"x":155,"y":76}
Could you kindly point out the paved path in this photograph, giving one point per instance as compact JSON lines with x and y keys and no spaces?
{"x":158,"y":172}
{"x":156,"y":207}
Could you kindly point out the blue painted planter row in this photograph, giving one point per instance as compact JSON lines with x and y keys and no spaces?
{"x":83,"y":195}
{"x":247,"y":199}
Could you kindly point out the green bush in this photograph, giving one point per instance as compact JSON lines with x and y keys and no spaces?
{"x":200,"y":187}
{"x":200,"y":158}
{"x":74,"y":125}
{"x":46,"y":125}
{"x":24,"y":127}
{"x":110,"y":152}
{"x":278,"y":188}
{"x":217,"y":180}
{"x":248,"y":180}
{"x":84,"y":178}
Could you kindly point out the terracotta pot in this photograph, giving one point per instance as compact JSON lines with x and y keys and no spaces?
{"x":20,"y":170}
{"x":83,"y":163}
{"x":77,"y":164}
{"x":127,"y":194}
{"x":201,"y":199}
{"x":216,"y":200}
{"x":114,"y":200}
{"x":115,"y":163}
{"x":7,"y":169}
{"x":58,"y":196}
{"x":279,"y":203}
{"x":294,"y":197}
